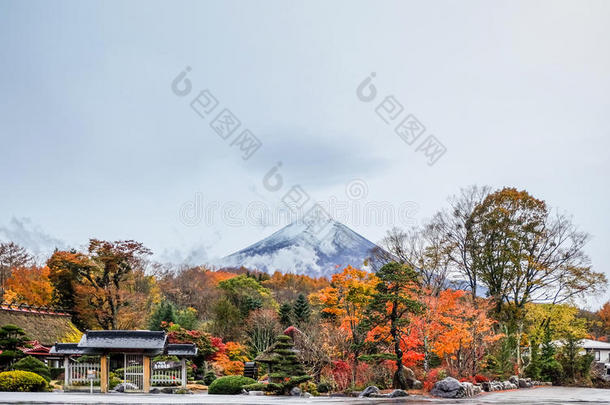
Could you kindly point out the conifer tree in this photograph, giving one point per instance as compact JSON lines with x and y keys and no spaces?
{"x":286,"y":315}
{"x":286,"y":370}
{"x":165,"y":312}
{"x":302,"y":310}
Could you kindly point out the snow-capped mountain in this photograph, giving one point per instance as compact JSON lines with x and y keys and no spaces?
{"x":315,"y":249}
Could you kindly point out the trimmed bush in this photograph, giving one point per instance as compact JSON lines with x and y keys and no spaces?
{"x":22,"y":381}
{"x":33,"y":365}
{"x":209,"y":377}
{"x":229,"y":385}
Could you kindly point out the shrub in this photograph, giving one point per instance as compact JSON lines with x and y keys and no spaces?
{"x":480,"y":379}
{"x":209,"y":377}
{"x":33,"y":365}
{"x":310,"y":387}
{"x":325,"y":387}
{"x":23,"y":381}
{"x":229,"y":385}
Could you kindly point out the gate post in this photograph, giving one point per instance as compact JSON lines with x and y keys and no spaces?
{"x":146,"y":376}
{"x":66,"y":372}
{"x":183,"y":368}
{"x":104,"y":373}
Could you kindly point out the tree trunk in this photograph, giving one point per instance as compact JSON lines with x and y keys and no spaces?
{"x":399,"y":380}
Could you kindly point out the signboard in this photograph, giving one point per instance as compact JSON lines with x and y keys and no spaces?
{"x":166,"y":365}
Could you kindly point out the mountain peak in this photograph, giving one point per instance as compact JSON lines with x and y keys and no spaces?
{"x":315,"y":247}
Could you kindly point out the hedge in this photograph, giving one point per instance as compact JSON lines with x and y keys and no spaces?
{"x":229,"y":385}
{"x":23,"y":381}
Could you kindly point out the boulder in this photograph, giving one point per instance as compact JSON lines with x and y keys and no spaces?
{"x":506,"y":385}
{"x":398,"y":394}
{"x":417,"y":385}
{"x":448,"y":388}
{"x":486,"y":386}
{"x":496,"y":386}
{"x":468,"y":389}
{"x":523,"y":383}
{"x":514,"y":379}
{"x":368,"y":391}
{"x":476,"y":390}
{"x":154,"y":390}
{"x":167,"y":390}
{"x":295,"y":392}
{"x":409,"y":377}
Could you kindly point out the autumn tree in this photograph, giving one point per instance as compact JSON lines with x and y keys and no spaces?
{"x":394,"y":301}
{"x":30,"y":285}
{"x":106,"y":286}
{"x":11,"y":256}
{"x":346,"y":300}
{"x":261,"y":328}
{"x":522,"y":253}
{"x":604,"y":315}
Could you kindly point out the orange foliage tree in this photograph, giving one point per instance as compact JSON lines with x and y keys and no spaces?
{"x":345,"y":302}
{"x":454,"y":329}
{"x":30,"y":285}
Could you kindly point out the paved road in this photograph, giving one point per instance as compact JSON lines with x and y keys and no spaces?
{"x":543,"y":395}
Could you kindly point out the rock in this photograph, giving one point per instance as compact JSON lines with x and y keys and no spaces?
{"x":496,"y":386}
{"x":486,"y":386}
{"x":368,"y":391}
{"x":514,"y":379}
{"x":256,"y":393}
{"x":468,"y":389}
{"x":476,"y":390}
{"x":398,"y":394}
{"x":506,"y":385}
{"x":448,"y":388}
{"x":523,"y":383}
{"x":125,"y":386}
{"x":295,"y":392}
{"x":512,"y":387}
{"x":305,"y":395}
{"x":167,"y":390}
{"x":417,"y":385}
{"x":154,"y":390}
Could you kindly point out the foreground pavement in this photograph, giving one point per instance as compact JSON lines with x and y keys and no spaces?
{"x":542,"y":395}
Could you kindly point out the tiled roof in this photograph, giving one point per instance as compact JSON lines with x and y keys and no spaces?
{"x":124,"y":339}
{"x":181,"y":349}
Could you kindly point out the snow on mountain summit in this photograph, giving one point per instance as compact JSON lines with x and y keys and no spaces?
{"x":312,"y":248}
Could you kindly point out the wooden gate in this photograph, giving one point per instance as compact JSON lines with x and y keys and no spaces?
{"x":134,"y":372}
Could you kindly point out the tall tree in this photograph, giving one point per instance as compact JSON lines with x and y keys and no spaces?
{"x":346,"y":300}
{"x":11,"y":257}
{"x":286,"y":314}
{"x":395,"y":299}
{"x":522,"y":253}
{"x":301,"y":310}
{"x":107,"y":286}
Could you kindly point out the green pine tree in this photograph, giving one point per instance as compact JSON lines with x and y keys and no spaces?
{"x":11,"y":338}
{"x":286,"y":315}
{"x":164,"y":312}
{"x":301,"y":310}
{"x":287,"y":371}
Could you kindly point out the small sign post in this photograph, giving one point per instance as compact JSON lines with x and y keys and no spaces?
{"x":91,"y":374}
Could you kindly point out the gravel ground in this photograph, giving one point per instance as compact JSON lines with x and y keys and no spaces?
{"x":543,"y":395}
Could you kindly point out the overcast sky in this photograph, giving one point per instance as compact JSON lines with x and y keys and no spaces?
{"x":96,"y":144}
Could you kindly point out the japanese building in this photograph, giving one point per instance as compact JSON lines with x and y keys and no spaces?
{"x":139,"y":358}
